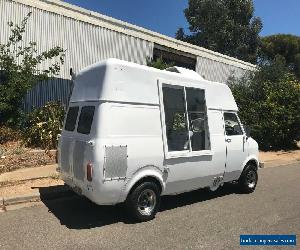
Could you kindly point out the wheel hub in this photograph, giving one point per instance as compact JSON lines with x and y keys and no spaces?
{"x":251,"y":179}
{"x":146,"y":202}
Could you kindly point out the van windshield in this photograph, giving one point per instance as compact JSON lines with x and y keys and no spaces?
{"x":86,"y":119}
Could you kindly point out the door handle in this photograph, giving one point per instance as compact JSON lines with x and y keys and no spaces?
{"x":228,"y":140}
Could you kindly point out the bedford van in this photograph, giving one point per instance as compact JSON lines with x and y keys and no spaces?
{"x":134,"y":133}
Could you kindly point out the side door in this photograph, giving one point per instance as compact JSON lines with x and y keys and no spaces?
{"x":83,"y":141}
{"x":67,"y":140}
{"x":236,"y":151}
{"x":188,"y":158}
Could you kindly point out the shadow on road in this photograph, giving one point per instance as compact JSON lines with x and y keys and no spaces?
{"x":201,"y":195}
{"x":77,"y":212}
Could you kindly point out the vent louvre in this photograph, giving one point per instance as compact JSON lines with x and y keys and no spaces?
{"x":78,"y":163}
{"x":115,"y":162}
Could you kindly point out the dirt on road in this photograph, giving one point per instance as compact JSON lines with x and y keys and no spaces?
{"x":279,"y":157}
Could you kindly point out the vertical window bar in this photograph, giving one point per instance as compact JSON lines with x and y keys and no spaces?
{"x":187,"y":119}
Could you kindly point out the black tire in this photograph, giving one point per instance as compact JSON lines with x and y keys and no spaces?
{"x":248,"y":179}
{"x":140,"y":206}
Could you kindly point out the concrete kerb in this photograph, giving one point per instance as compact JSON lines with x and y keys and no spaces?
{"x":65,"y":192}
{"x":20,"y":199}
{"x":2,"y":207}
{"x":12,"y":183}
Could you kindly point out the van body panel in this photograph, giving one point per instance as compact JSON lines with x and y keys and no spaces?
{"x":120,"y":130}
{"x":235,"y":174}
{"x":236,"y":154}
{"x":238,"y":149}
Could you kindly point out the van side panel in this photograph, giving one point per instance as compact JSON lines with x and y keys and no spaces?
{"x":138,"y":127}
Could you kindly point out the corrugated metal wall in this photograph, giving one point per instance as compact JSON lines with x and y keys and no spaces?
{"x":56,"y":89}
{"x":217,"y":71}
{"x":84,"y":43}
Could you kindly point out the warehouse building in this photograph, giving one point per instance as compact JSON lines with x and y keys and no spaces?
{"x":89,"y":37}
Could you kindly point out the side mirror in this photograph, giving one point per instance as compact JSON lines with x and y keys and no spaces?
{"x":247,"y":131}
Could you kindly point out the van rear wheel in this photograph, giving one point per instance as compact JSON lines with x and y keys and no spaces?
{"x":248,"y":179}
{"x":143,"y":202}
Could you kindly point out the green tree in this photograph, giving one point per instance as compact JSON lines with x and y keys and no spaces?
{"x":225,"y":26}
{"x":269,"y":102}
{"x":285,"y":45}
{"x":159,"y":63}
{"x":21,"y":69}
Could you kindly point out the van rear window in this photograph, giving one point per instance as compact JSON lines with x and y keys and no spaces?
{"x":85,"y":120}
{"x":71,"y":118}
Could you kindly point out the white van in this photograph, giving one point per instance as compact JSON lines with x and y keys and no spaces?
{"x":134,"y":133}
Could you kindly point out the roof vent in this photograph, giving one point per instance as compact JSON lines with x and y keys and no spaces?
{"x":185,"y":72}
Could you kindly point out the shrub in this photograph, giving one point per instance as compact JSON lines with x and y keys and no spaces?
{"x":9,"y":134}
{"x":43,"y":126}
{"x":159,"y":63}
{"x":269,"y":102}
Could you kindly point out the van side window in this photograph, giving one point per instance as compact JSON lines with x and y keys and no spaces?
{"x":232,"y":125}
{"x":185,"y":118}
{"x":71,"y":118}
{"x":175,"y":118}
{"x":196,"y":112}
{"x":85,"y":120}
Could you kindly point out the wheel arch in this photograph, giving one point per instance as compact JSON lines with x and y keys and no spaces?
{"x":253,"y":162}
{"x":147,"y":178}
{"x":147,"y":173}
{"x":253,"y":159}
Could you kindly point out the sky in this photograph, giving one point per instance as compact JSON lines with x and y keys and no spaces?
{"x":166,"y":16}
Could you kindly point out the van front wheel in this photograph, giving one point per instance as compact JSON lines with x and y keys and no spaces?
{"x":248,"y":179}
{"x":143,"y":202}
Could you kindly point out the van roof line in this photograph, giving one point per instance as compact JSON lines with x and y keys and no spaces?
{"x":185,"y":72}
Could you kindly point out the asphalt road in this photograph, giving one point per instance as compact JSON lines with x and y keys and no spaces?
{"x":199,"y":219}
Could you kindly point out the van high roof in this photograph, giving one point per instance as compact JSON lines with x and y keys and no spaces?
{"x":126,"y":82}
